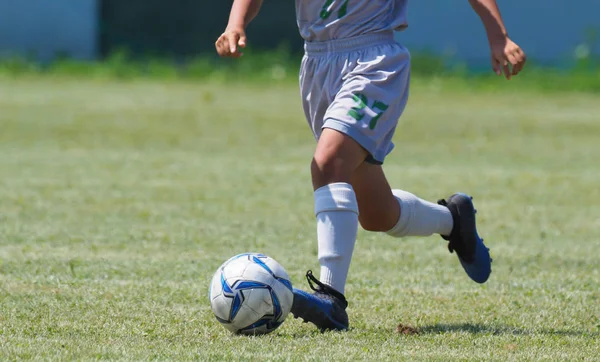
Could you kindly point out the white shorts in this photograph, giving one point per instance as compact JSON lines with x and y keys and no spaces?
{"x":358,"y":86}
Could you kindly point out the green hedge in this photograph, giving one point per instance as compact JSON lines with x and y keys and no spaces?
{"x":282,"y":66}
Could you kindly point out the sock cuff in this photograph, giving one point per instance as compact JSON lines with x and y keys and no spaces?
{"x":406,"y":210}
{"x":338,"y":196}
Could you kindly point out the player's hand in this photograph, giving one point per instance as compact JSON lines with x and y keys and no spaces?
{"x":231,"y":42}
{"x":507,"y":57}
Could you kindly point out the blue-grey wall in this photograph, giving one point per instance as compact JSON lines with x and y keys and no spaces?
{"x":43,"y":28}
{"x":549,"y":30}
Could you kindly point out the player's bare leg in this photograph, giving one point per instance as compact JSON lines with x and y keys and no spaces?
{"x":378,"y":208}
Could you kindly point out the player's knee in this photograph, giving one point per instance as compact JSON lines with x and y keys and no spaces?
{"x":328,"y":168}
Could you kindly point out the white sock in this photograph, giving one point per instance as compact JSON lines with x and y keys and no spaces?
{"x":336,"y":210}
{"x":419,"y":217}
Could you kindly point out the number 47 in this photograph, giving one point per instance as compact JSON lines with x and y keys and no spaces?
{"x":357,"y":112}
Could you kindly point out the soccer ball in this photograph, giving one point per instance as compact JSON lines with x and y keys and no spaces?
{"x":251,"y":294}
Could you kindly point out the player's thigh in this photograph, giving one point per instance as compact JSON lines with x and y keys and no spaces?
{"x":378,"y":208}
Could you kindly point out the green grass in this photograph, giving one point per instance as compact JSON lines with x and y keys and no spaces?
{"x":118,"y":200}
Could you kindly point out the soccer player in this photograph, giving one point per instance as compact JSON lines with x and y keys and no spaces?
{"x":354,"y":84}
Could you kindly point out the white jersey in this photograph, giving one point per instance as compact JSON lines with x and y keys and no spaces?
{"x":323,"y":20}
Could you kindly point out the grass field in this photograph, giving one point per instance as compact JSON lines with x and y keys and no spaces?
{"x":119,"y":200}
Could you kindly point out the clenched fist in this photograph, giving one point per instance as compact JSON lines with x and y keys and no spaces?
{"x":506,"y":54}
{"x":231,"y":42}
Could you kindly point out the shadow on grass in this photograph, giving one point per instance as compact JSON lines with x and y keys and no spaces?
{"x":499,"y":330}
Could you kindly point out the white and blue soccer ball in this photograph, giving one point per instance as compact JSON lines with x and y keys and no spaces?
{"x":251,"y":294}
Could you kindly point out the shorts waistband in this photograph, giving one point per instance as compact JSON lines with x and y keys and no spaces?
{"x":346,"y":45}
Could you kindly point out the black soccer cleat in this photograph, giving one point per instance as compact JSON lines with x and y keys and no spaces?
{"x":473,"y":255}
{"x":325,"y":308}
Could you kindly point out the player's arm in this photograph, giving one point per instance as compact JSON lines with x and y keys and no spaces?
{"x":504,"y":52}
{"x":234,"y":36}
